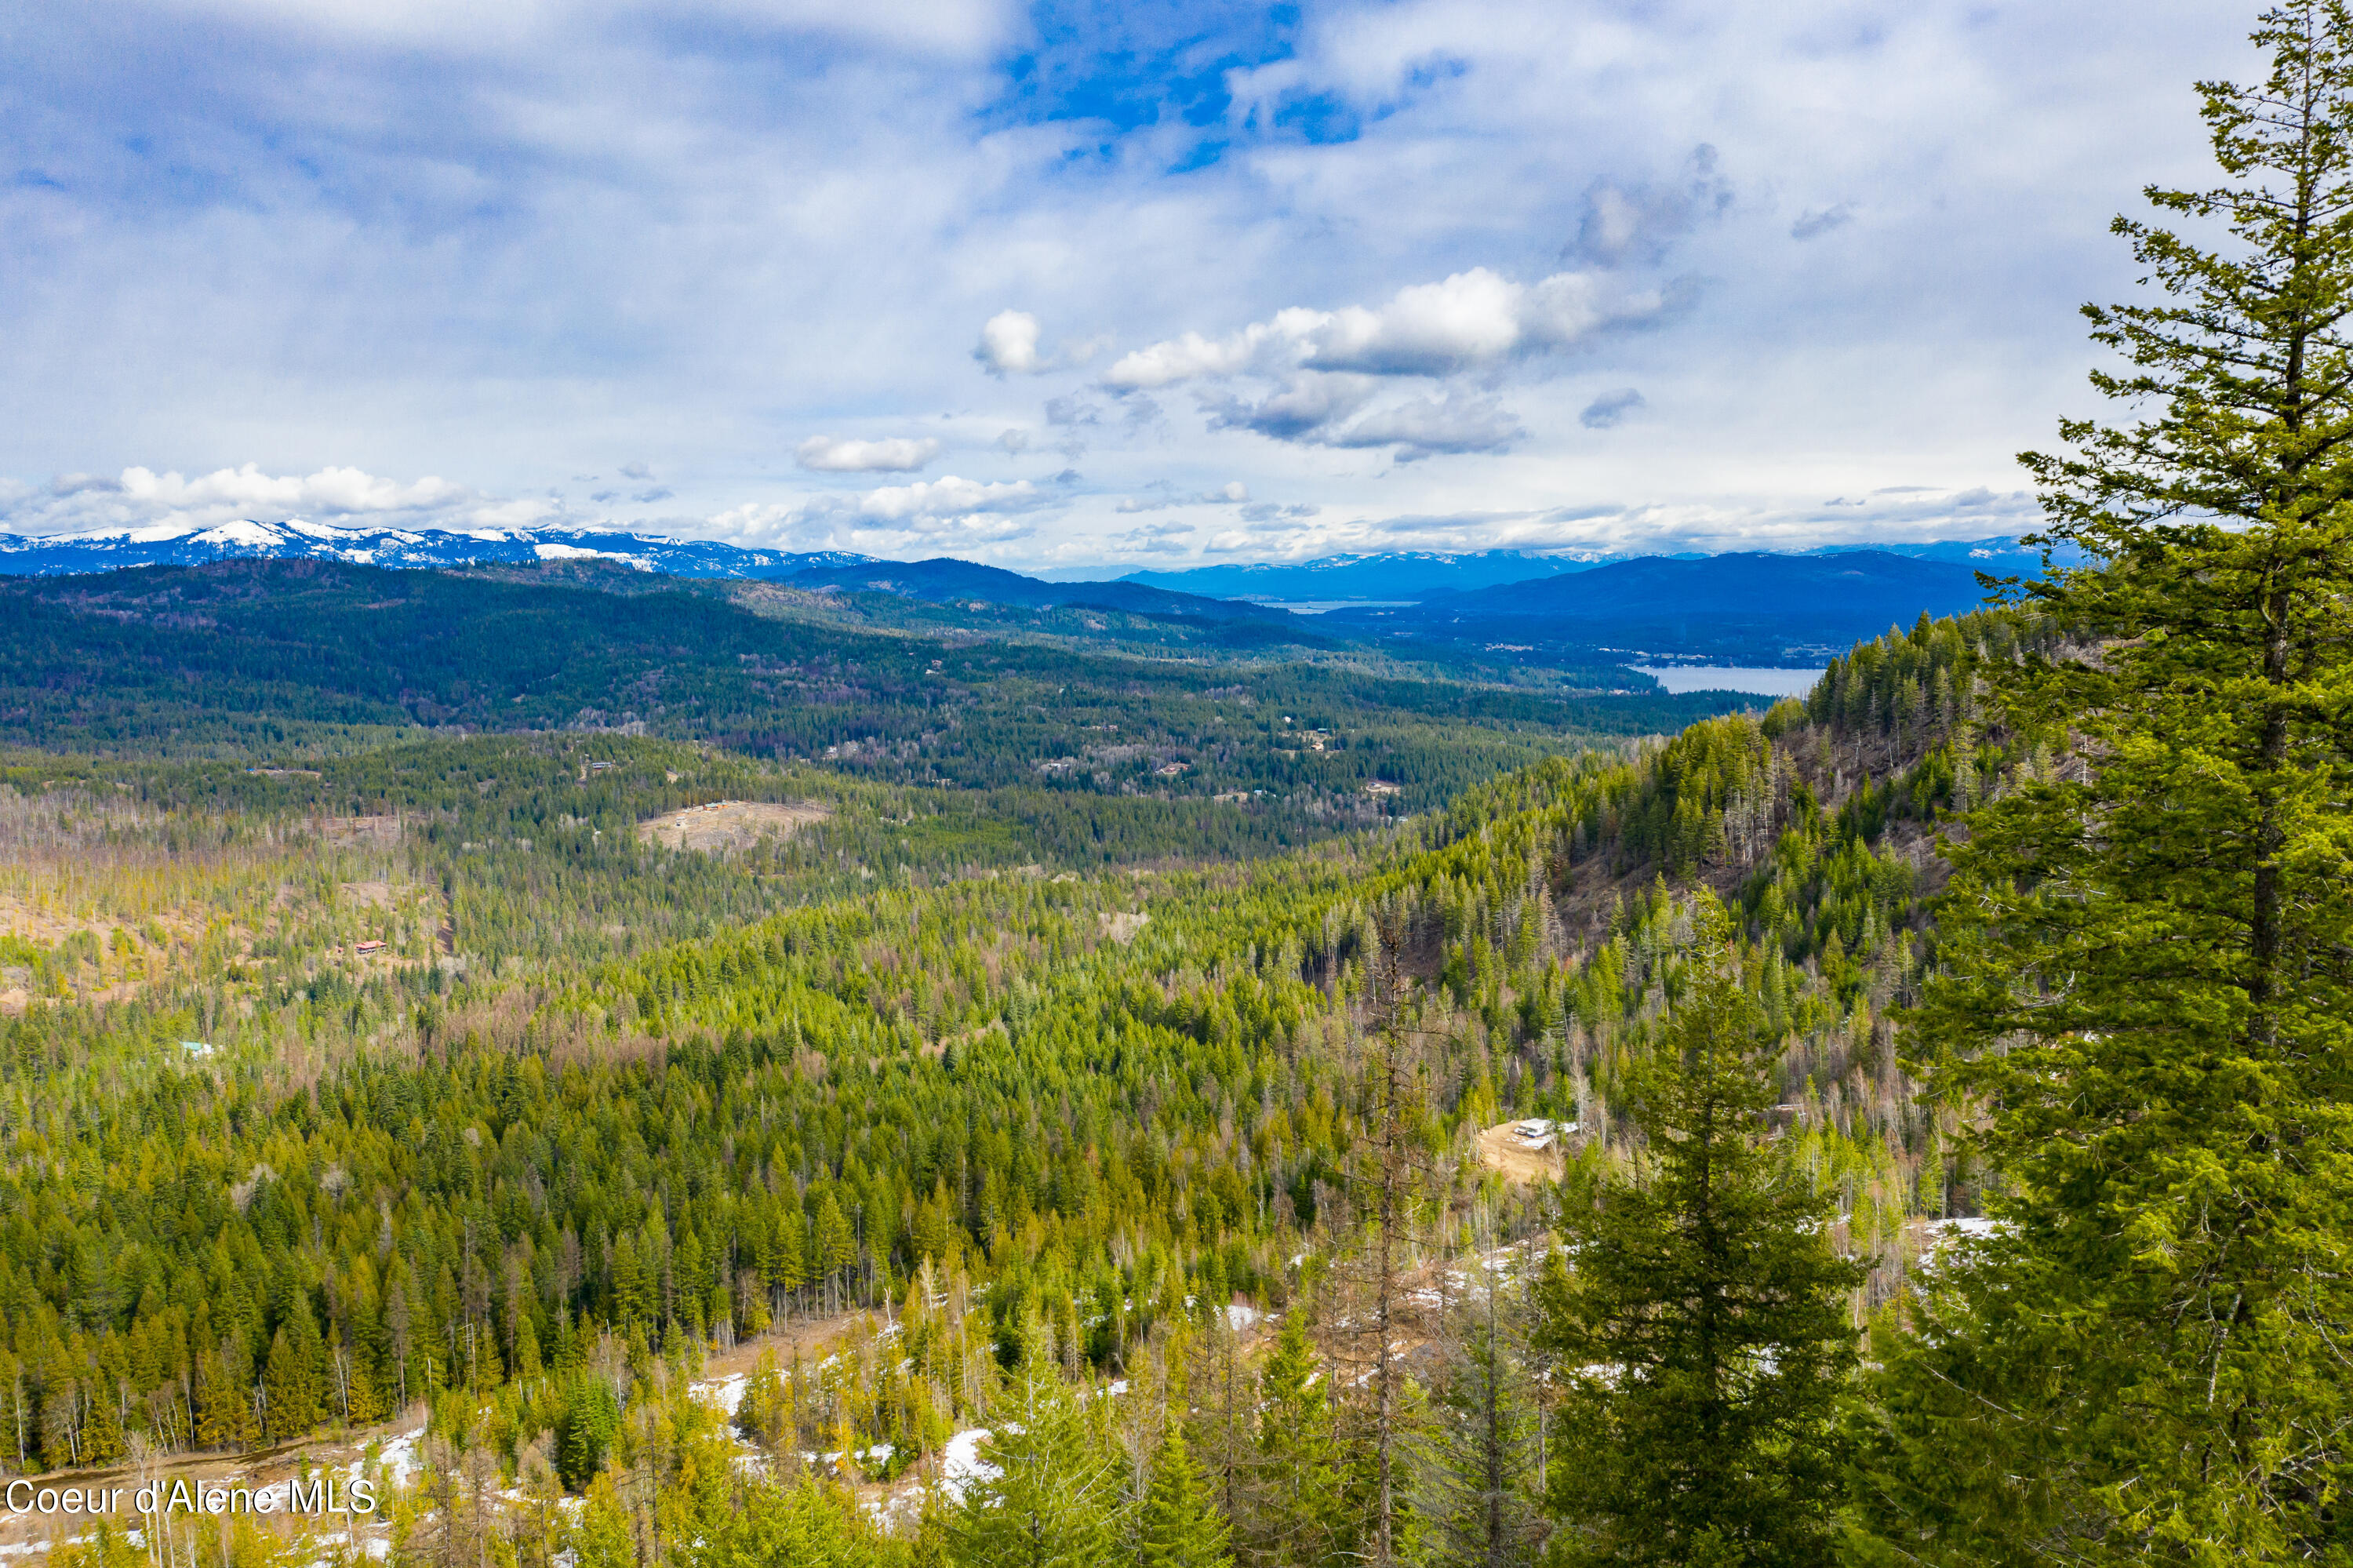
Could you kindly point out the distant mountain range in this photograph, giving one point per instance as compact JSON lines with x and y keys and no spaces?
{"x":61,"y":554}
{"x":1555,"y":609}
{"x":1422,"y":574}
{"x":1738,"y":609}
{"x":945,"y":580}
{"x":1398,"y":575}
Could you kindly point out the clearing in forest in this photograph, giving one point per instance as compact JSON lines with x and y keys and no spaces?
{"x":728,"y":824}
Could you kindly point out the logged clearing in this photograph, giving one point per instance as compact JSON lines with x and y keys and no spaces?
{"x":728,"y":824}
{"x":1507,"y":1148}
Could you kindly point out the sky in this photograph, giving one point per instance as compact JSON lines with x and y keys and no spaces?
{"x":1072,"y":286}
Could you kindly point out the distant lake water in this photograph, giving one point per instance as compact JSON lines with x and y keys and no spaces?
{"x":1732,"y":678}
{"x":1326,"y":605}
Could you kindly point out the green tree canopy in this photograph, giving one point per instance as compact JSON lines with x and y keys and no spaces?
{"x":1700,"y":1322}
{"x":2150,"y":991}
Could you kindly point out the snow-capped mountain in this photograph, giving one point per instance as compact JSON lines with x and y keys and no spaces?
{"x":28,"y":554}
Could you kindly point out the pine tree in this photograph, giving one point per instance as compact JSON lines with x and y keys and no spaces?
{"x":600,"y":1535}
{"x":291,"y":1386}
{"x":1181,"y":1527}
{"x":586,"y":1427}
{"x":2149,"y":951}
{"x":1055,"y":1499}
{"x":1299,"y":1504}
{"x":1702,"y":1338}
{"x":101,"y":1432}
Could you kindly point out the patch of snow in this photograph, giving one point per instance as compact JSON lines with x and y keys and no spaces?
{"x":727,"y":1393}
{"x":1971,"y":1226}
{"x":398,"y":1459}
{"x":242,"y":532}
{"x":961,"y":1464}
{"x":1238,"y":1316}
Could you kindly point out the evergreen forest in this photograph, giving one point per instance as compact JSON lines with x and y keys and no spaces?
{"x":649,"y":1075}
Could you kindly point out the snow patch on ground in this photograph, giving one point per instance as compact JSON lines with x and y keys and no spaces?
{"x":961,"y":1464}
{"x":727,"y":1393}
{"x":398,"y":1459}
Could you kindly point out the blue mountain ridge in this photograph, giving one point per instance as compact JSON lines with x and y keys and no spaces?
{"x":1423,"y":574}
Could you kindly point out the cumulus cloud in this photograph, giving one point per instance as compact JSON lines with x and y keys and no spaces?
{"x":1429,"y":427}
{"x":141,"y":498}
{"x":659,"y":493}
{"x":929,"y":515}
{"x":1323,"y":410}
{"x":1303,"y":408}
{"x":945,"y":497}
{"x":1469,"y":321}
{"x":902,"y":454}
{"x":1008,"y":345}
{"x":1609,"y":409}
{"x":635,"y":471}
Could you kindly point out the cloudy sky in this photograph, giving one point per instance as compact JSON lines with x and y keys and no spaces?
{"x":1071,"y":285}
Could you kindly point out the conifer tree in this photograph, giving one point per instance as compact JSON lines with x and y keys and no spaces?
{"x":1301,"y":1499}
{"x":1056,"y":1498}
{"x":291,"y":1383}
{"x":600,"y":1535}
{"x":1701,"y":1329}
{"x":1181,"y":1527}
{"x":2149,"y":950}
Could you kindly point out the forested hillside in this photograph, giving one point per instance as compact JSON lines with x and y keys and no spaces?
{"x":914,"y":1096}
{"x":591,"y":1092}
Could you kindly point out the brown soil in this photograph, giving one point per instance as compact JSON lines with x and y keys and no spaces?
{"x":729,"y":824}
{"x":1500,"y":1148}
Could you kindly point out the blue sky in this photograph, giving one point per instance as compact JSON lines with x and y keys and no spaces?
{"x":1070,"y":285}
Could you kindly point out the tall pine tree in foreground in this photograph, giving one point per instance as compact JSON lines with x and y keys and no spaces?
{"x":2149,"y":995}
{"x":1179,"y":1525}
{"x":1700,"y":1323}
{"x":1052,"y":1495}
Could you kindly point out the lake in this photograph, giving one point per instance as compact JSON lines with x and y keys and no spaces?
{"x":1732,"y":678}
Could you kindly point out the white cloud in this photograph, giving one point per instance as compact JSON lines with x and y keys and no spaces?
{"x":949,"y":27}
{"x":380,"y":236}
{"x":947,"y":496}
{"x":1008,"y":345}
{"x":334,"y":492}
{"x":924,"y":517}
{"x":1472,"y":319}
{"x":141,"y":498}
{"x":900,"y":454}
{"x":1322,"y":410}
{"x":1428,"y":426}
{"x":1163,"y":495}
